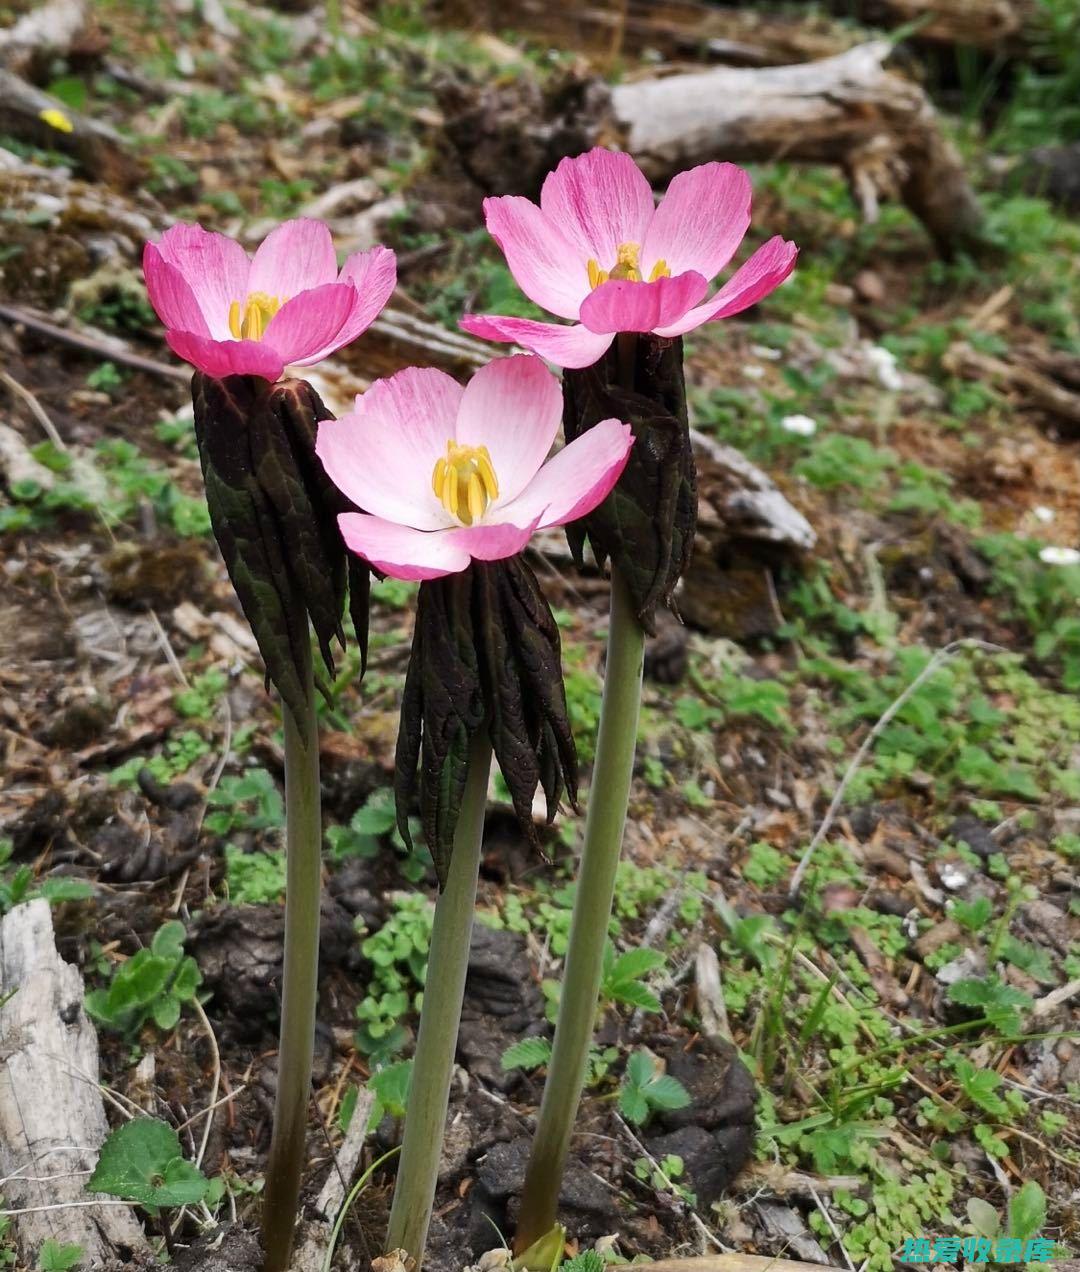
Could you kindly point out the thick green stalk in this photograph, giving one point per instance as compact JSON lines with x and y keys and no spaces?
{"x":440,"y":1017}
{"x":299,"y":996}
{"x":608,"y":798}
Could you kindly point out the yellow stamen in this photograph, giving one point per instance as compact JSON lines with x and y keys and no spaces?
{"x":626,"y":262}
{"x":464,"y":482}
{"x":250,"y":320}
{"x":627,"y":267}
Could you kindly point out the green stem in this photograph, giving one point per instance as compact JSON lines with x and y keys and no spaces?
{"x":303,"y":846}
{"x":444,"y":989}
{"x":608,"y":798}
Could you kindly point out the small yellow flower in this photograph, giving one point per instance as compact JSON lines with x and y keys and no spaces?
{"x":56,"y":118}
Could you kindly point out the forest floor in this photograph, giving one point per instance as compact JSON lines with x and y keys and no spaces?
{"x":890,"y":1054}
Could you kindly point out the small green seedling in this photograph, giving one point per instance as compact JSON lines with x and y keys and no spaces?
{"x":18,"y":886}
{"x":152,"y":984}
{"x":371,"y":828}
{"x":390,"y":1086}
{"x":54,"y":1257}
{"x":142,"y":1161}
{"x":624,"y":977}
{"x":646,"y":1089}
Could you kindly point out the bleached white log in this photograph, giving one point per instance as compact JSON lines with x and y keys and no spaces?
{"x":52,"y":1119}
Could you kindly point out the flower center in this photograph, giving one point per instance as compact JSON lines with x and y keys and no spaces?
{"x":626,"y":267}
{"x":249,"y":320}
{"x":464,"y":482}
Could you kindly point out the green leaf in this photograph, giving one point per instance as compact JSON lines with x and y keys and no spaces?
{"x":187,"y":980}
{"x":66,"y":889}
{"x":983,"y":1217}
{"x":1027,"y":1211}
{"x":635,"y":994}
{"x":635,"y":964}
{"x":586,"y":1261}
{"x":377,"y":817}
{"x":54,"y":1257}
{"x":169,"y":940}
{"x":640,"y":1068}
{"x":347,"y":1108}
{"x":633,"y":1105}
{"x":142,"y":1161}
{"x":667,"y":1093}
{"x":166,"y":1012}
{"x":529,"y":1053}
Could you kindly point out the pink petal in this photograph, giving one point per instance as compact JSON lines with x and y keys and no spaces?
{"x":598,"y":200}
{"x":548,"y":268}
{"x":401,"y":551}
{"x":173,"y":300}
{"x":374,"y":275}
{"x":620,"y":305}
{"x":700,"y":221}
{"x":513,"y":406}
{"x":220,"y":358}
{"x":382,"y":454}
{"x":575,"y":346}
{"x":309,"y":325}
{"x":761,"y":274}
{"x":214,"y":267}
{"x":577,"y":479}
{"x":294,"y":257}
{"x":492,"y":542}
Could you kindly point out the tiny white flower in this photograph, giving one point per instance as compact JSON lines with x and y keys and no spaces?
{"x":883,"y":362}
{"x":802,"y":425}
{"x":753,"y":372}
{"x":1044,"y":514}
{"x":1054,"y":555}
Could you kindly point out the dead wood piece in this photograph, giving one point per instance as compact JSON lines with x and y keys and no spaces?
{"x":710,"y":993}
{"x":672,"y":28}
{"x":1000,"y":26}
{"x":52,"y":1120}
{"x":746,"y":500}
{"x":314,"y":1237}
{"x":31,"y":115}
{"x":1042,"y":391}
{"x":846,"y":110}
{"x":42,"y":34}
{"x":92,"y":341}
{"x":735,"y":1263}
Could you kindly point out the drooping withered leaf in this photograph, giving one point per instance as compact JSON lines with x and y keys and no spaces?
{"x":486,"y":656}
{"x":274,"y":514}
{"x":646,"y":525}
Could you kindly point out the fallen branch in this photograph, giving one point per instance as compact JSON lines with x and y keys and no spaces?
{"x":52,"y":1124}
{"x":313,"y":1240}
{"x":108,"y":348}
{"x":42,"y":34}
{"x":963,"y":360}
{"x":33,"y":116}
{"x":847,"y":110}
{"x":999,"y":26}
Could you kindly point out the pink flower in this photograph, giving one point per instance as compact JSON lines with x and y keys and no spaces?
{"x":448,"y":474}
{"x":598,"y":252}
{"x":230,"y":314}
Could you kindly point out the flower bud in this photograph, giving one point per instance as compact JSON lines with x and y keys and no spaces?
{"x":274,"y":514}
{"x":486,"y":656}
{"x":646,"y":525}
